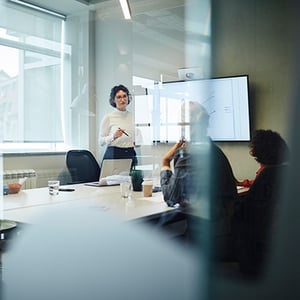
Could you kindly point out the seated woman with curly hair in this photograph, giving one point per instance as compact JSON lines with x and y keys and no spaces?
{"x":269,"y":149}
{"x":254,"y":219}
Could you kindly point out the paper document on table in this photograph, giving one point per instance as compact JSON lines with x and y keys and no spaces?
{"x":114,"y":179}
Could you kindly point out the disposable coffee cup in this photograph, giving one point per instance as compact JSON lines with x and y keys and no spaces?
{"x":147,"y":188}
{"x":53,"y":186}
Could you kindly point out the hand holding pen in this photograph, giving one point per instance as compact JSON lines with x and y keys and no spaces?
{"x":123,"y":131}
{"x":119,"y":133}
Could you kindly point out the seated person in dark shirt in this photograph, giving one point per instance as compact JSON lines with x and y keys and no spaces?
{"x":201,"y":182}
{"x":256,"y":213}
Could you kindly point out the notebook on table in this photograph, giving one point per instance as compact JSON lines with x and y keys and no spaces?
{"x":113,"y":172}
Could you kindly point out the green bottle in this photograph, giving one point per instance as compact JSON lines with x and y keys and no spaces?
{"x":136,"y":179}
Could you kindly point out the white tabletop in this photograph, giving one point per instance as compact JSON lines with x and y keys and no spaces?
{"x":28,"y":205}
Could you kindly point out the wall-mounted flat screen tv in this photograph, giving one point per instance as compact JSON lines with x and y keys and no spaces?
{"x":226,"y":99}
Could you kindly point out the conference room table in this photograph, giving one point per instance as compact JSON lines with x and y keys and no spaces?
{"x":28,"y":205}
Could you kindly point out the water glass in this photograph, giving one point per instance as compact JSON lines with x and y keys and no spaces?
{"x":53,"y":186}
{"x":125,"y":189}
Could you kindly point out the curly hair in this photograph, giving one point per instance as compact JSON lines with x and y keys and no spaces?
{"x":114,"y":91}
{"x":268,"y":147}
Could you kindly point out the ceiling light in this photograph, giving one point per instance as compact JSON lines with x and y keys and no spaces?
{"x":125,"y":9}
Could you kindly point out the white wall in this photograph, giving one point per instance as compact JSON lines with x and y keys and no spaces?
{"x":46,"y":166}
{"x":113,"y":64}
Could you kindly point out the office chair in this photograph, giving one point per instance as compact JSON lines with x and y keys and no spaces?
{"x":83,"y":166}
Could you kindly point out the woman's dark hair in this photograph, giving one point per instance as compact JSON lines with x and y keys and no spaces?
{"x":114,"y":91}
{"x":268,"y":147}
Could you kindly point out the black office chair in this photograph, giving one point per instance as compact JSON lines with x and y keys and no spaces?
{"x":83,"y":166}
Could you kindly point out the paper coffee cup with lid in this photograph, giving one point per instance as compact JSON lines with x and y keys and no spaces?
{"x":147,"y":187}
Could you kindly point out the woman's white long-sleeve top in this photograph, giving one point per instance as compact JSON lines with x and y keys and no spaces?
{"x":110,"y":124}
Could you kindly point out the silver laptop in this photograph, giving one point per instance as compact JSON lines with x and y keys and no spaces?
{"x":112,"y":172}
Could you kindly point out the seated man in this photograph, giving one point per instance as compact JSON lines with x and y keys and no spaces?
{"x":202,"y":182}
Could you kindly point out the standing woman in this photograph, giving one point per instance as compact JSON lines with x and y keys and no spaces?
{"x":117,"y":128}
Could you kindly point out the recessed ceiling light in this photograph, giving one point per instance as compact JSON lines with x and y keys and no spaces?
{"x":125,"y":9}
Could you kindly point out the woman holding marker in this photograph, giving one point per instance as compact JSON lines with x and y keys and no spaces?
{"x":117,"y":127}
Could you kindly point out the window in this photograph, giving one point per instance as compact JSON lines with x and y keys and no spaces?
{"x":158,"y":118}
{"x":32,"y":92}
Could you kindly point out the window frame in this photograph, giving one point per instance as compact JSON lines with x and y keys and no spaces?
{"x":62,"y":52}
